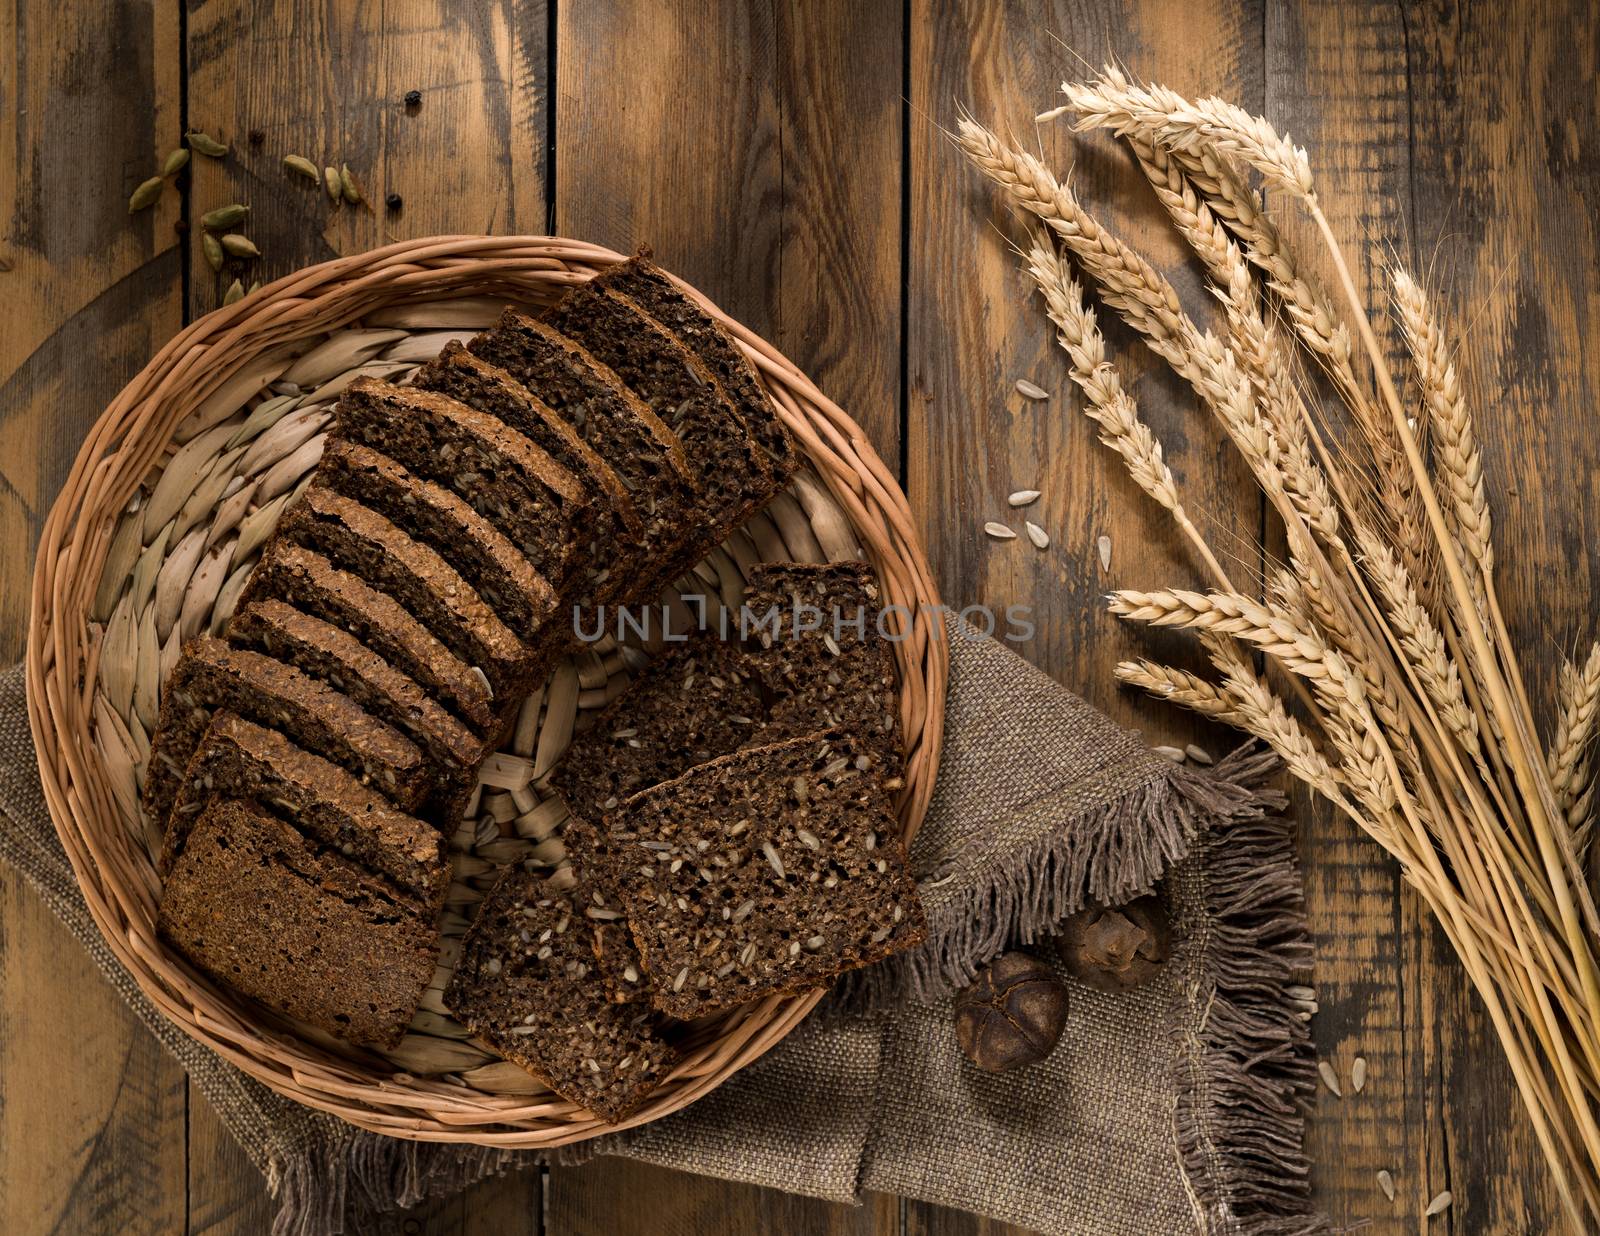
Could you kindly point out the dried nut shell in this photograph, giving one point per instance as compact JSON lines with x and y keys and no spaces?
{"x":224,"y":217}
{"x":212,"y":248}
{"x":204,"y":143}
{"x":145,"y":195}
{"x":306,"y":168}
{"x":349,"y":186}
{"x":332,"y":183}
{"x":1012,"y":1015}
{"x":175,"y":162}
{"x":1117,"y":948}
{"x":240,"y":247}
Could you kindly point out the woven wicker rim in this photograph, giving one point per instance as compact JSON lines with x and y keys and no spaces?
{"x":198,"y":370}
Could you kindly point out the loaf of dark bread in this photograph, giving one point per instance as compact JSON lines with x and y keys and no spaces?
{"x":697,"y":700}
{"x":366,"y":544}
{"x":210,"y":675}
{"x":823,"y":657}
{"x":653,"y":290}
{"x":615,"y":527}
{"x":508,"y":480}
{"x":526,"y":984}
{"x":768,"y":871}
{"x":442,"y":520}
{"x":256,"y":906}
{"x":239,"y":759}
{"x":620,"y":427}
{"x":307,"y":580}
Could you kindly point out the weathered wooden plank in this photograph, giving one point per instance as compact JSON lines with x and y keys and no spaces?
{"x":91,"y":1141}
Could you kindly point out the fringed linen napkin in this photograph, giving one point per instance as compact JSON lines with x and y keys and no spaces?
{"x":1176,"y":1108}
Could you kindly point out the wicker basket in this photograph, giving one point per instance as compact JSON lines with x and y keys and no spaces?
{"x":161,"y":519}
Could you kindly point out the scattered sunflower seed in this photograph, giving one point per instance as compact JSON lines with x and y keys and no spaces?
{"x":212,"y":248}
{"x":999,"y":531}
{"x":1199,"y":754}
{"x":1105,"y":553}
{"x":1023,"y":496}
{"x":175,"y":162}
{"x":1330,"y":1079}
{"x":235,"y":292}
{"x":332,"y":183}
{"x":1036,"y":534}
{"x":145,"y":195}
{"x":303,"y":165}
{"x":224,"y":217}
{"x":1386,"y":1183}
{"x":349,"y":186}
{"x":1169,"y":753}
{"x":1031,"y":390}
{"x":1439,"y":1205}
{"x":204,"y":143}
{"x":1358,"y":1074}
{"x":240,"y":247}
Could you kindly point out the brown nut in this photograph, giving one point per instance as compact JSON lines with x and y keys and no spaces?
{"x":1012,"y":1015}
{"x":1117,"y":948}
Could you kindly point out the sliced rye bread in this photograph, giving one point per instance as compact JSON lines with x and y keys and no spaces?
{"x":308,"y":580}
{"x":619,"y":426}
{"x":731,"y":470}
{"x":259,"y":908}
{"x":615,"y":527}
{"x":526,"y":984}
{"x":653,"y":290}
{"x":442,"y":520}
{"x":619,"y":966}
{"x":239,"y":759}
{"x":365,"y":543}
{"x":210,"y":675}
{"x":695,"y":701}
{"x":765,"y":872}
{"x":338,"y":658}
{"x":508,"y":480}
{"x":840,"y":673}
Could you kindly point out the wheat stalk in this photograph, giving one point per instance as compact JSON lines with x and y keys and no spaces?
{"x":1569,"y":755}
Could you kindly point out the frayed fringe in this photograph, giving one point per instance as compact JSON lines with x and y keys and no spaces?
{"x":1250,"y":1064}
{"x":1108,"y":856}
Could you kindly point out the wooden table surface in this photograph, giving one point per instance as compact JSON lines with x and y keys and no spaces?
{"x":791,"y":160}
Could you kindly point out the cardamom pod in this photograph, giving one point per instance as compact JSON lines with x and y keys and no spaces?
{"x":175,"y":162}
{"x":240,"y":247}
{"x":255,"y":287}
{"x":235,"y":292}
{"x":212,"y":250}
{"x":224,"y":217}
{"x":332,"y":183}
{"x":348,"y":186}
{"x":145,"y":195}
{"x":297,"y":163}
{"x":204,"y":143}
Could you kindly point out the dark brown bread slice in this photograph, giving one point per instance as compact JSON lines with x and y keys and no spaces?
{"x":366,"y":544}
{"x":697,"y":700}
{"x":620,"y":968}
{"x":788,"y":871}
{"x":526,"y":983}
{"x":210,"y":675}
{"x":239,"y":759}
{"x":840,"y":673}
{"x":616,"y":423}
{"x":338,"y":658}
{"x":731,"y":470}
{"x":257,"y":907}
{"x":503,"y":476}
{"x":308,"y":580}
{"x":429,"y":513}
{"x":653,"y":290}
{"x":615,"y":527}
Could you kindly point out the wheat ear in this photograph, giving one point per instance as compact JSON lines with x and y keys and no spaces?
{"x":1570,"y":747}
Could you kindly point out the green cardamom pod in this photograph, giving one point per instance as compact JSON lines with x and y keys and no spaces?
{"x":175,"y":162}
{"x":240,"y":247}
{"x":224,"y":217}
{"x":296,"y":163}
{"x":145,"y":195}
{"x":204,"y":143}
{"x":348,"y":185}
{"x":254,"y":288}
{"x":212,"y":250}
{"x":332,"y":183}
{"x":235,"y":292}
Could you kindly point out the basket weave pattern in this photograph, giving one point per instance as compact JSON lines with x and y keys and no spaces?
{"x":153,"y":535}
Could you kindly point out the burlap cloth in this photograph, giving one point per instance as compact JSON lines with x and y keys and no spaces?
{"x":1174,"y":1109}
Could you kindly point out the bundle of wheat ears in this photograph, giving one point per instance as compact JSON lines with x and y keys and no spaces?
{"x":1377,"y":663}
